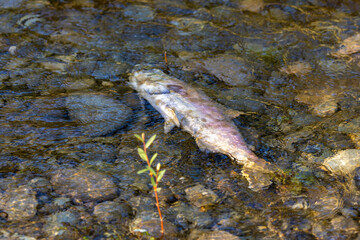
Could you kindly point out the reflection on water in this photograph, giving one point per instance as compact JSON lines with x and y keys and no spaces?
{"x":67,"y":110}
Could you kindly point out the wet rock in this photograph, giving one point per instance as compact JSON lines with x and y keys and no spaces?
{"x":58,"y":225}
{"x":297,"y":68}
{"x":12,"y":3}
{"x":323,"y":103}
{"x":344,"y":162}
{"x":109,"y":70}
{"x":352,"y":126}
{"x":139,"y":13}
{"x":98,"y":114}
{"x":112,"y":212}
{"x":211,"y":235}
{"x":148,"y":222}
{"x":40,"y":184}
{"x":349,"y":46}
{"x":81,"y":84}
{"x":348,"y":225}
{"x":83,"y":184}
{"x":187,"y":26}
{"x":54,"y":66}
{"x":201,"y":197}
{"x":255,"y":6}
{"x":324,"y":202}
{"x":19,"y":203}
{"x":230,"y":69}
{"x":190,"y":216}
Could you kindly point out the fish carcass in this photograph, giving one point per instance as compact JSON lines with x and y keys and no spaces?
{"x":207,"y":121}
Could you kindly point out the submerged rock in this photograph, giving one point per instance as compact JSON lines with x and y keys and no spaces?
{"x":57,"y":226}
{"x":139,"y":13}
{"x":322,"y":103}
{"x":349,"y":46}
{"x":232,"y":70}
{"x":344,"y":162}
{"x":20,"y":204}
{"x":97,"y":114}
{"x":148,"y":223}
{"x":83,"y":184}
{"x":112,"y":211}
{"x":201,"y":197}
{"x":211,"y":235}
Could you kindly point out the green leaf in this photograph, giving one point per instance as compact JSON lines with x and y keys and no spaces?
{"x":161,"y":174}
{"x":151,"y":170}
{"x":142,"y":154}
{"x":138,"y":137}
{"x":153,"y":182}
{"x":153,"y":158}
{"x":142,"y":171}
{"x":150,"y":141}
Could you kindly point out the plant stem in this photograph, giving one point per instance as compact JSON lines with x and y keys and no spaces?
{"x":154,"y":187}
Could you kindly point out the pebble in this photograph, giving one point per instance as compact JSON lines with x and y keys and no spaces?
{"x":81,"y":84}
{"x":98,"y":114}
{"x":20,"y":203}
{"x":255,"y":6}
{"x":343,"y":162}
{"x":341,"y":223}
{"x":83,"y":184}
{"x":352,"y":126}
{"x":201,"y":197}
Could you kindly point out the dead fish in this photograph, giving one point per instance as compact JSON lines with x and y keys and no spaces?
{"x":207,"y":121}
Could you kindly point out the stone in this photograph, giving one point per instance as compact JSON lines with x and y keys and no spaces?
{"x":97,"y":114}
{"x":20,"y":203}
{"x":343,"y":162}
{"x":201,"y":197}
{"x":83,"y":184}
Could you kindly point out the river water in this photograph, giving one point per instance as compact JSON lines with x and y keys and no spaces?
{"x":68,"y":154}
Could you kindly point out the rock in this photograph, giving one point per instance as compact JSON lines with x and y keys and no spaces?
{"x":97,"y":114}
{"x":323,"y":103}
{"x":349,"y":46}
{"x":299,"y":69}
{"x":190,"y":216}
{"x":12,"y":3}
{"x":83,"y":184}
{"x":352,"y":126}
{"x":81,"y":84}
{"x":148,"y":222}
{"x":255,"y":6}
{"x":57,"y":226}
{"x":201,"y":197}
{"x":19,"y":204}
{"x":211,"y":235}
{"x":112,"y":212}
{"x":139,"y":13}
{"x":230,"y":69}
{"x":109,"y":70}
{"x":340,"y":223}
{"x":188,"y":26}
{"x":344,"y":162}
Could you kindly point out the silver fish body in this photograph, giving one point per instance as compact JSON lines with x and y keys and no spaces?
{"x":207,"y":121}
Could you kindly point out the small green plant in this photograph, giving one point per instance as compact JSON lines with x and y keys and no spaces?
{"x":155,"y":175}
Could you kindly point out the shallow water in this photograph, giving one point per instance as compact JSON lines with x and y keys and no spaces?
{"x":65,"y":104}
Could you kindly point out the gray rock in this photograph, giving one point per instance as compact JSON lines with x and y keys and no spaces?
{"x":20,"y":203}
{"x":83,"y":184}
{"x":201,"y":197}
{"x":139,"y":13}
{"x":98,"y":114}
{"x":344,"y":162}
{"x":112,"y":211}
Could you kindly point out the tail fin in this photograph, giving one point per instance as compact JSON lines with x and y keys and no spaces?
{"x":259,"y":174}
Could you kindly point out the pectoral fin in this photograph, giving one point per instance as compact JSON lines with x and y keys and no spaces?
{"x":171,"y":120}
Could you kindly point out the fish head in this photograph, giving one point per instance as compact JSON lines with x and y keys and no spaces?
{"x":154,"y":82}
